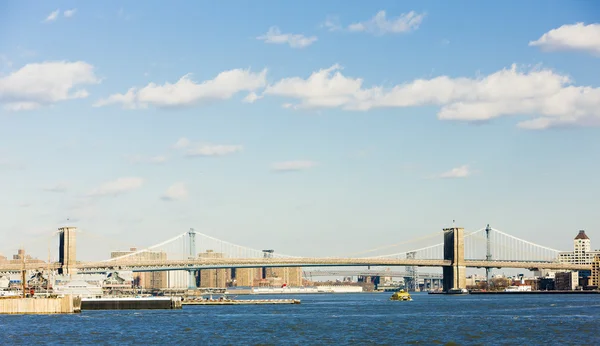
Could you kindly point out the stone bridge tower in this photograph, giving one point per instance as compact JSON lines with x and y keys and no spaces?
{"x":67,"y":245}
{"x":454,"y":251}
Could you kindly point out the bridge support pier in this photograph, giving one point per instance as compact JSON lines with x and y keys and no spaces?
{"x":454,"y":251}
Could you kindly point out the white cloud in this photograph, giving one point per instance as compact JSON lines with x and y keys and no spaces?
{"x":58,"y":187}
{"x":69,"y":13}
{"x":175,"y":192}
{"x":158,"y":159}
{"x":182,"y":143}
{"x":332,"y":23}
{"x":206,"y":149}
{"x":380,"y":25}
{"x":52,"y":16}
{"x":549,"y":97}
{"x":458,"y":172}
{"x":40,"y":84}
{"x":275,"y":36}
{"x":186,"y":92}
{"x":571,"y":37}
{"x":117,"y":187}
{"x":213,"y":150}
{"x":288,"y":166}
{"x":251,"y":97}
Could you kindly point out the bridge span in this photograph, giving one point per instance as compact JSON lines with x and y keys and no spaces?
{"x":457,"y":252}
{"x":220,"y":263}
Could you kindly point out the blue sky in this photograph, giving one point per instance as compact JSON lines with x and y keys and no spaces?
{"x":412,"y":118}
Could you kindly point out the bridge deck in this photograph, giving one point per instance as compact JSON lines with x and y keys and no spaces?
{"x":216,"y":263}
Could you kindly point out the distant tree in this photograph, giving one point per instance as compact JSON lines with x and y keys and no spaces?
{"x":500,"y":283}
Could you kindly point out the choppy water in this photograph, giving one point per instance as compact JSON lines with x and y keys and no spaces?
{"x":357,"y":319}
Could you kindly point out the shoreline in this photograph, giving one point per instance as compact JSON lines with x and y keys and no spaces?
{"x":535,"y":292}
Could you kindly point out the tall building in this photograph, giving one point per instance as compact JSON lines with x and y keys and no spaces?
{"x":146,"y":280}
{"x":566,"y":281}
{"x":214,"y":278}
{"x":582,"y":251}
{"x":177,"y":279}
{"x":67,"y":245}
{"x":595,"y":277}
{"x":245,"y":277}
{"x":290,"y":276}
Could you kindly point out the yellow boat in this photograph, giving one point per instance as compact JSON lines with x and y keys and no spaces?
{"x":401,"y":295}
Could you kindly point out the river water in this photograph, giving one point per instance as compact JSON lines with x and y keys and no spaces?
{"x":355,"y":319}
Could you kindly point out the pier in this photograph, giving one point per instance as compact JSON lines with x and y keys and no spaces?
{"x":240,"y":301}
{"x":40,"y":306}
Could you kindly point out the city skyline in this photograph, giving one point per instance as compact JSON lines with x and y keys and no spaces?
{"x":313,"y":131}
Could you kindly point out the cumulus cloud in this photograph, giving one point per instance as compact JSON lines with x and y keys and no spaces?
{"x":458,"y":172}
{"x":549,"y":97}
{"x":117,"y":187}
{"x":577,"y":36}
{"x":182,"y":143}
{"x":380,"y":25}
{"x":251,"y":97}
{"x":332,"y":23}
{"x":213,"y":150}
{"x":288,"y":166}
{"x":274,"y":35}
{"x":175,"y":192}
{"x":52,"y":16}
{"x":186,"y":92}
{"x":206,"y":149}
{"x":41,"y":84}
{"x":69,"y":13}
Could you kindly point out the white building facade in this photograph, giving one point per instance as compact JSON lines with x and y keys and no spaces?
{"x":582,"y":251}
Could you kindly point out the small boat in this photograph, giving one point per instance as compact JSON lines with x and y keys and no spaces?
{"x":401,"y":295}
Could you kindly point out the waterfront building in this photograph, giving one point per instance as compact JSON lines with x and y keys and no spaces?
{"x":595,"y":277}
{"x":582,"y":251}
{"x":566,"y":281}
{"x":4,"y":282}
{"x":146,"y":280}
{"x":290,"y":276}
{"x":214,"y":278}
{"x":121,"y":280}
{"x":245,"y":277}
{"x":178,"y":279}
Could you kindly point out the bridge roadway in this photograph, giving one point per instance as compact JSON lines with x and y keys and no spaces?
{"x":388,"y":273}
{"x":217,"y":263}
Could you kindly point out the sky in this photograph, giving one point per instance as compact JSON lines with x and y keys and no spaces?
{"x":311,"y":128}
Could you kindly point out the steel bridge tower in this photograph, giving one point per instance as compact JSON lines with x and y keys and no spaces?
{"x":411,"y":281}
{"x":488,"y":254}
{"x":192,"y":255}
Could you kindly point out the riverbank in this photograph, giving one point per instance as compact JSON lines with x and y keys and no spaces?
{"x":534,"y":292}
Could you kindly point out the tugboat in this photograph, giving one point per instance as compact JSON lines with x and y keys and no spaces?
{"x":401,"y":295}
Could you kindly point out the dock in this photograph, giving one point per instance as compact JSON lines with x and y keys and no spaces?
{"x":39,"y":306}
{"x":131,"y":303}
{"x":240,"y":301}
